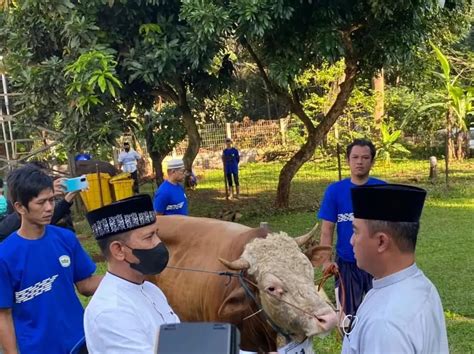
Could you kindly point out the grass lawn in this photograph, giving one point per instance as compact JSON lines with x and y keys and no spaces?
{"x":444,"y":245}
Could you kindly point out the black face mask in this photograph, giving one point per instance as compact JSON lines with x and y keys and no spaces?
{"x":152,"y":261}
{"x":127,"y":149}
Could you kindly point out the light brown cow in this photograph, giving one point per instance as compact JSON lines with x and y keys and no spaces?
{"x":274,"y":262}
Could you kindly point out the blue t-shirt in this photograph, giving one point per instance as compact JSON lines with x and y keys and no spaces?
{"x":231,"y":160}
{"x":337,"y":208}
{"x":37,"y":283}
{"x":170,"y":199}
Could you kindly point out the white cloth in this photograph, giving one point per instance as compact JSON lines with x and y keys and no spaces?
{"x":401,"y":314}
{"x":129,"y":160}
{"x":123,"y":317}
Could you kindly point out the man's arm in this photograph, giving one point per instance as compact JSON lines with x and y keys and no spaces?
{"x":88,"y":286}
{"x":7,"y":332}
{"x":327,"y":237}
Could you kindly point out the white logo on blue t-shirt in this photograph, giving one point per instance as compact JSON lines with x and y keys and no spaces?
{"x":35,"y":290}
{"x":65,"y":261}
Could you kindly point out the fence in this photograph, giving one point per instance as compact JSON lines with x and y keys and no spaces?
{"x":246,"y":135}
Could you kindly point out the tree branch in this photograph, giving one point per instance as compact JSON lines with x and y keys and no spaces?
{"x":167,"y":91}
{"x":261,"y":69}
{"x":297,"y":109}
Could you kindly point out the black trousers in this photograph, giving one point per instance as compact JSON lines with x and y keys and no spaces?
{"x":134,"y":176}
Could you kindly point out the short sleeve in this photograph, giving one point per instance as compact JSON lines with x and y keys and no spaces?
{"x":83,"y":265}
{"x":328,"y":210}
{"x":160,"y":201}
{"x":382,"y":336}
{"x":6,"y":286}
{"x":118,"y":332}
{"x":137,"y":156}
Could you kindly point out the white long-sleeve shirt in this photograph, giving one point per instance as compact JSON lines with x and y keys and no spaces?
{"x":402,"y":313}
{"x":123,"y":317}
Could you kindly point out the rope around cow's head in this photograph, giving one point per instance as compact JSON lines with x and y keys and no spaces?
{"x":243,"y":280}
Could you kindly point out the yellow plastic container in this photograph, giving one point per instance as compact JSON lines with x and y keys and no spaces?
{"x":120,"y":176}
{"x":123,"y":188}
{"x":92,"y":197}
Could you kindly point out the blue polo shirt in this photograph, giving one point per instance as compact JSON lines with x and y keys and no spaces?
{"x":170,"y":199}
{"x":337,"y":208}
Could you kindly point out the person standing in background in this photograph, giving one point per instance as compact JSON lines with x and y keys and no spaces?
{"x":336,"y":209}
{"x":230,"y":160}
{"x":128,"y":163}
{"x":170,"y":198}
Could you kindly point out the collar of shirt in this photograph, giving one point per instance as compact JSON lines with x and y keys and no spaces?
{"x":123,"y":283}
{"x":395,"y":278}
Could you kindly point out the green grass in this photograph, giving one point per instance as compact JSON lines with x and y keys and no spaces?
{"x":445,"y":240}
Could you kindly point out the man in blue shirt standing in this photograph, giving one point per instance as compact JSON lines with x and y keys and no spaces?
{"x":41,"y":266}
{"x":170,"y":198}
{"x":336,"y":209}
{"x":231,"y":159}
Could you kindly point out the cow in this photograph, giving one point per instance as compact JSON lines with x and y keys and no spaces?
{"x":278,"y":277}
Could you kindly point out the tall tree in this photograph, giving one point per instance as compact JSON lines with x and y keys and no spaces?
{"x":286,"y":37}
{"x":110,"y":57}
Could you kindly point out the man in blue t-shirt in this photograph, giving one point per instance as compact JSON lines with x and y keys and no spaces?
{"x":41,"y":266}
{"x":336,"y":209}
{"x":231,"y":159}
{"x":170,"y":198}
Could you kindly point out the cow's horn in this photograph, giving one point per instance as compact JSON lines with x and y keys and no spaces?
{"x":238,"y":264}
{"x":301,"y":240}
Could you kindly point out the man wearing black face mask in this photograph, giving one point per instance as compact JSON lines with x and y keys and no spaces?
{"x":126,"y":311}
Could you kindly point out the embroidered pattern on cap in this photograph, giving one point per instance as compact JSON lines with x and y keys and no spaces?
{"x":120,"y":222}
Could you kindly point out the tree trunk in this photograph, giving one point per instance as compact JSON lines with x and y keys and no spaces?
{"x":157,"y":160}
{"x":191,"y":129}
{"x":378,"y":82}
{"x":449,"y":143}
{"x":315,"y":135}
{"x":460,"y":145}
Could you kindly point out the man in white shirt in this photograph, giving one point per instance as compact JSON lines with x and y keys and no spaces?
{"x":128,"y":163}
{"x":402,"y":313}
{"x":125,"y":313}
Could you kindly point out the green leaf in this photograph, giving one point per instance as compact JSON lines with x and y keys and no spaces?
{"x":443,"y":61}
{"x":111,"y":88}
{"x":102,"y":83}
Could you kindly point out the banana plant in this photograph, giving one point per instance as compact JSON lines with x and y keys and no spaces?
{"x":456,"y":103}
{"x":390,"y":145}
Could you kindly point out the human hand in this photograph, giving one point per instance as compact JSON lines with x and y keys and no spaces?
{"x":330,"y":266}
{"x":59,"y":187}
{"x":70,"y":196}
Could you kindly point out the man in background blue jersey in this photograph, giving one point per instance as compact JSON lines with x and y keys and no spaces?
{"x":231,"y":159}
{"x":336,"y":209}
{"x":170,"y":198}
{"x":41,"y":266}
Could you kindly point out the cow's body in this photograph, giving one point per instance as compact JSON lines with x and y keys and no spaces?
{"x":198,"y":243}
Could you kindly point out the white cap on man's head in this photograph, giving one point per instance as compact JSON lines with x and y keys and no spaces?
{"x":175,"y":164}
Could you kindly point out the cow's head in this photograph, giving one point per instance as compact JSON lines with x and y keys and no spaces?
{"x":285,"y":277}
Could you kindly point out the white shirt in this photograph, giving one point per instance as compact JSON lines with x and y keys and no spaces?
{"x":129,"y":160}
{"x":402,"y":313}
{"x":123,"y":317}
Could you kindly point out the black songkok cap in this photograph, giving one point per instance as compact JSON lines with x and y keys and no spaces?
{"x":122,"y":216}
{"x":388,"y":202}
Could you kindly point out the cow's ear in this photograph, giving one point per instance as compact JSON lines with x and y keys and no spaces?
{"x":318,"y":254}
{"x":233,"y":307}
